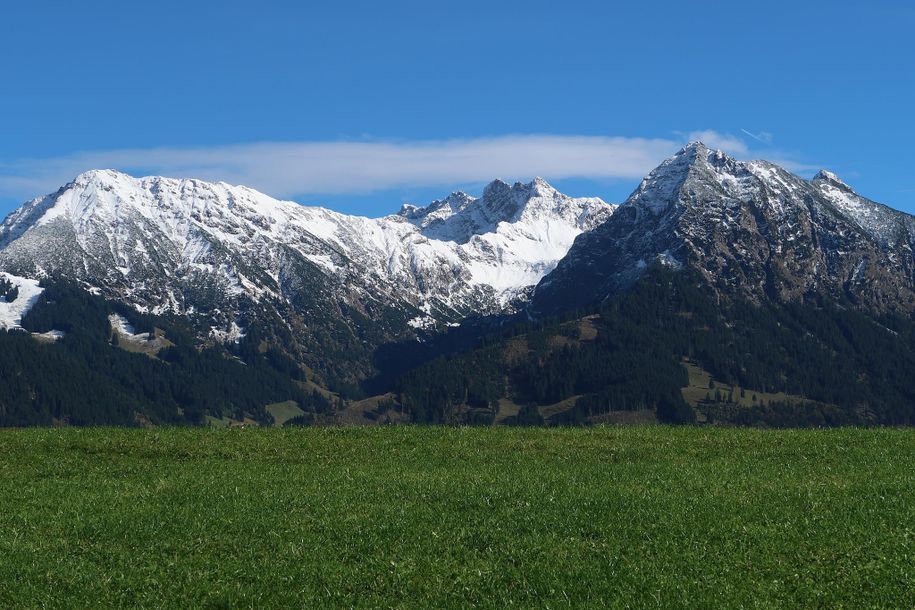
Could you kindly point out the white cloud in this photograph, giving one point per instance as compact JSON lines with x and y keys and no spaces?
{"x":726,"y":142}
{"x":314,"y":168}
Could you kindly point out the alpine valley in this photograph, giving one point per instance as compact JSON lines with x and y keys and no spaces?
{"x":720,"y":291}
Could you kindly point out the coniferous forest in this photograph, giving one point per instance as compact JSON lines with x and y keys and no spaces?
{"x":850,"y":367}
{"x":8,"y":291}
{"x":839,"y":365}
{"x":85,"y":379}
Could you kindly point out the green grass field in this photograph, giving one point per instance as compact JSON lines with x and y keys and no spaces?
{"x":455,"y":517}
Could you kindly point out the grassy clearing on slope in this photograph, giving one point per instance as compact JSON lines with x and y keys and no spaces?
{"x":284,"y":411}
{"x":439,"y":517}
{"x":699,"y":390}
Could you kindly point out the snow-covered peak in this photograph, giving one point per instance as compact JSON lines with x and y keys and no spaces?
{"x":827,"y":176}
{"x":101,"y":201}
{"x":746,"y":225}
{"x":101,"y":177}
{"x":439,"y":209}
{"x":540,"y":183}
{"x":496,"y":188}
{"x":697,"y":177}
{"x":538,"y":187}
{"x":460,"y":217}
{"x":700,"y":175}
{"x":658,"y":190}
{"x":694,"y":148}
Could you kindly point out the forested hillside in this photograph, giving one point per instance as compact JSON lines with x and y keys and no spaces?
{"x":85,"y":378}
{"x":811,"y":363}
{"x":838,"y":365}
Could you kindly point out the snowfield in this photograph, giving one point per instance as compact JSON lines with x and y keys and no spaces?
{"x":11,"y":313}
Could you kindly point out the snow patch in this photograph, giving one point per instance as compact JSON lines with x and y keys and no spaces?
{"x":11,"y":313}
{"x":51,"y":335}
{"x":125,"y":329}
{"x":667,"y":259}
{"x":422,"y":323}
{"x":233,"y":334}
{"x":324,"y":261}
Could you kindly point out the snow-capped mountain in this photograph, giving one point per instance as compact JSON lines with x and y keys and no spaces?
{"x":507,"y":239}
{"x":226,"y":255}
{"x":749,"y":228}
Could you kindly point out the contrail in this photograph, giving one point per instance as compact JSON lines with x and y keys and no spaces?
{"x":754,"y":136}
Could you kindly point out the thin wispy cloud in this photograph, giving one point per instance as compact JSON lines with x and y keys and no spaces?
{"x":723,"y":141}
{"x":289,"y":169}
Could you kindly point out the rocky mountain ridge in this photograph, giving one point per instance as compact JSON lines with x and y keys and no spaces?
{"x":751,"y":229}
{"x":229,"y":257}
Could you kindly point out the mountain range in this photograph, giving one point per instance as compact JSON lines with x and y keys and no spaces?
{"x":229,"y":257}
{"x":468,"y":300}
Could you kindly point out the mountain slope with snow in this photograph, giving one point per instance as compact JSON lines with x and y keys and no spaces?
{"x":228,"y":256}
{"x":750,"y":228}
{"x":12,"y":308}
{"x":113,"y":230}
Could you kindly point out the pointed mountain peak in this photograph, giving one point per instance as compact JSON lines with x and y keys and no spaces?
{"x":458,"y":200}
{"x":697,"y":152}
{"x":539,"y":186}
{"x":695,"y":147}
{"x":519,"y":191}
{"x":90,"y":194}
{"x":695,"y":161}
{"x":540,"y":183}
{"x":101,"y":176}
{"x":827,"y":176}
{"x":498,"y":199}
{"x":459,"y":216}
{"x":496,"y":187}
{"x":440,"y":208}
{"x":409,"y":210}
{"x":503,"y":202}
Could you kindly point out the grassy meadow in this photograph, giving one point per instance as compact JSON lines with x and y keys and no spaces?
{"x":645,"y":516}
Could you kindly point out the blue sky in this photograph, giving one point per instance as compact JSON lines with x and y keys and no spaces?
{"x":365,"y":105}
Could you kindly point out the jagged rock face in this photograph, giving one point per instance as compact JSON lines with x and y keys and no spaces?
{"x":749,"y":228}
{"x":227,"y":256}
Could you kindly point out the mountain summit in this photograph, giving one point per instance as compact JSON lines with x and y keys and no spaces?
{"x":749,"y":228}
{"x":460,"y":217}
